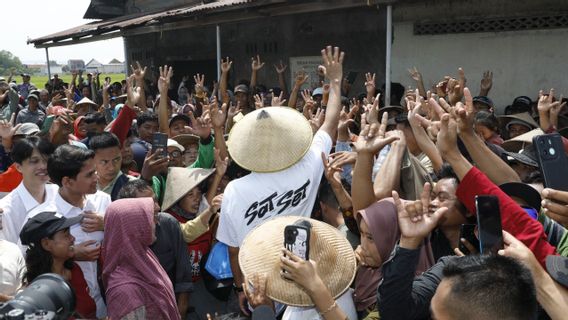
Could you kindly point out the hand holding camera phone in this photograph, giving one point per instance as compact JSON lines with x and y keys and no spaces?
{"x":552,"y":160}
{"x":160,"y":141}
{"x":297,"y":238}
{"x":467,"y":232}
{"x":489,"y":224}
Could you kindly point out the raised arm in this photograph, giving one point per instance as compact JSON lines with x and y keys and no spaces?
{"x":417,"y":76}
{"x":225,"y":67}
{"x":301,"y":78}
{"x":255,"y":65}
{"x":486,"y":83}
{"x":139,"y":73}
{"x":486,"y":160}
{"x":333,"y":69}
{"x":280,"y":69}
{"x":166,"y":74}
{"x":387,"y":178}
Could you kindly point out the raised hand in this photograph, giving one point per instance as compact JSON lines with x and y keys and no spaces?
{"x":316,"y":120}
{"x":370,"y":82}
{"x":465,"y":114}
{"x":256,"y":64}
{"x":332,"y":67}
{"x":7,"y":129}
{"x":199,"y":83}
{"x":218,"y":115}
{"x":447,"y":140}
{"x":138,"y":73}
{"x":414,"y":219}
{"x":301,"y":78}
{"x":166,"y":74}
{"x":234,"y":110}
{"x":373,"y":111}
{"x":331,"y":173}
{"x":415,"y":74}
{"x":132,"y":93}
{"x":200,"y":126}
{"x":280,"y":68}
{"x":372,"y":137}
{"x":486,"y":82}
{"x":546,"y":104}
{"x":226,"y":65}
{"x":277,"y":100}
{"x":258,"y":102}
{"x":345,"y":119}
{"x":455,"y":88}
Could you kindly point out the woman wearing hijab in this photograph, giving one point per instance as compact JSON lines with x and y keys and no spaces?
{"x":378,"y":225}
{"x":136,"y":285}
{"x":80,"y":128}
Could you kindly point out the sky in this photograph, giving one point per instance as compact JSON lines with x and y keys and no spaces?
{"x":46,"y":17}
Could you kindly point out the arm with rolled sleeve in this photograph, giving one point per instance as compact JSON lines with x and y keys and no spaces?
{"x":513,"y":218}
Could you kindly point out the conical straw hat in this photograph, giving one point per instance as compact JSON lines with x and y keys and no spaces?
{"x":261,"y":250}
{"x":270,"y":139}
{"x":180,"y":181}
{"x":86,"y":101}
{"x":519,"y":142}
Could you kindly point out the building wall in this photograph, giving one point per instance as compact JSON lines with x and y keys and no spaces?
{"x":522,"y":61}
{"x":360,"y":32}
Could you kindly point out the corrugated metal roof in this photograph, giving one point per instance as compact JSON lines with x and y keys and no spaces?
{"x":133,"y":20}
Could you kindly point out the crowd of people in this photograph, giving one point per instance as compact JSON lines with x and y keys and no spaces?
{"x":387,"y":189}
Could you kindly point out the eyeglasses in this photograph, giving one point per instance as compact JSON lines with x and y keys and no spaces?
{"x":175,"y":154}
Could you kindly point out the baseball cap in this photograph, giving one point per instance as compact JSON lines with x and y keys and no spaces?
{"x":241,"y":88}
{"x":183,"y":117}
{"x":317,"y":91}
{"x":25,"y":75}
{"x":26,"y":129}
{"x":45,"y":224}
{"x":175,"y":144}
{"x":485,"y":100}
{"x":557,"y":267}
{"x":33,"y":95}
{"x":523,"y":191}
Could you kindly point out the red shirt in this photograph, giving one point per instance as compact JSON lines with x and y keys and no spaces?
{"x":85,"y":306}
{"x":10,"y":179}
{"x":513,"y":218}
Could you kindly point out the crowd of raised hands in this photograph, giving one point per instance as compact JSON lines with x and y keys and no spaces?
{"x":400,"y":182}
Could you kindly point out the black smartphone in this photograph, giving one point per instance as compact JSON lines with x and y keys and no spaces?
{"x":467,"y":232}
{"x":552,"y":160}
{"x":489,"y":224}
{"x":351,"y":76}
{"x":160,"y":141}
{"x":297,"y":238}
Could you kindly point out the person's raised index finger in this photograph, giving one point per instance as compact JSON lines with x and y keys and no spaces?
{"x":383,"y":126}
{"x":468,"y":100}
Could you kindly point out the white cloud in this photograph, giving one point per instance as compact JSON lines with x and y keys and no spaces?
{"x":38,"y":18}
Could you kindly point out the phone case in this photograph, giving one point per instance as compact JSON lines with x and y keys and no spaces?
{"x":297,"y":240}
{"x":489,"y":224}
{"x":467,"y":232}
{"x":552,"y":160}
{"x":160,"y":141}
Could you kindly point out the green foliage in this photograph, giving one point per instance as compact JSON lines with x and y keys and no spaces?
{"x":10,"y":63}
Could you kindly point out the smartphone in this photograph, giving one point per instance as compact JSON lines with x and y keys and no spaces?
{"x":489,"y":224}
{"x":351,"y":77}
{"x":552,"y":160}
{"x":467,"y":232}
{"x":160,"y":141}
{"x":297,"y":238}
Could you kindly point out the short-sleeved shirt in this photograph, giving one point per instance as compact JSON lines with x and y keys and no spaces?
{"x":26,"y":115}
{"x":258,"y":197}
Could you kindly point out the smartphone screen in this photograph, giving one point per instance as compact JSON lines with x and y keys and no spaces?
{"x":160,"y":141}
{"x":489,"y":224}
{"x":552,"y":160}
{"x":467,"y":232}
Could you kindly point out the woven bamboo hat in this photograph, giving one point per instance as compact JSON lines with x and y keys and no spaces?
{"x":270,"y":139}
{"x":261,"y":250}
{"x":180,"y":181}
{"x":87,"y":101}
{"x":520,"y":142}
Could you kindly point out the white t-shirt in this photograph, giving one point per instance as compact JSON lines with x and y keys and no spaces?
{"x":16,"y":205}
{"x":12,"y":268}
{"x":345,"y":302}
{"x":258,"y":197}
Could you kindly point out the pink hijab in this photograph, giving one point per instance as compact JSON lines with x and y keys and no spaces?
{"x":382,"y":219}
{"x":132,"y":275}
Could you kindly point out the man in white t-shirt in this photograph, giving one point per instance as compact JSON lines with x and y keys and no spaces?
{"x":73,"y":169}
{"x":276,"y":145}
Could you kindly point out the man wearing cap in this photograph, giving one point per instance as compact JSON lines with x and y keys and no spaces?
{"x":483,"y":103}
{"x":25,"y":87}
{"x":175,"y":151}
{"x":31,"y":113}
{"x":276,"y":144}
{"x":10,"y":179}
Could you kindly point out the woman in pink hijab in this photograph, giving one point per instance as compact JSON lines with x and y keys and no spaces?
{"x":136,"y":285}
